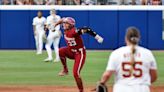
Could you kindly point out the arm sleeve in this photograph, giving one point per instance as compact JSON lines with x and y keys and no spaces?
{"x":86,"y":30}
{"x":153,"y":64}
{"x":112,"y":62}
{"x":58,"y":26}
{"x":34,"y":22}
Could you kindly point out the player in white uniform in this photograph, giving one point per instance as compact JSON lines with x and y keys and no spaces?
{"x":134,"y":66}
{"x":53,"y":36}
{"x":39,"y":23}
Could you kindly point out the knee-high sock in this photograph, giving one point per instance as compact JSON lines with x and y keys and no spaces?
{"x":36,"y":42}
{"x":40,"y":43}
{"x":56,"y":47}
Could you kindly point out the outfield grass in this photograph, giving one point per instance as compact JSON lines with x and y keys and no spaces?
{"x":26,"y":68}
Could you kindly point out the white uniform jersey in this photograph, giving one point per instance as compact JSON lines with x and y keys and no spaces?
{"x":51,"y":21}
{"x":119,"y":61}
{"x":39,"y":23}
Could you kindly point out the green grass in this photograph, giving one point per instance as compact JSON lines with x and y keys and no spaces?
{"x":26,"y":68}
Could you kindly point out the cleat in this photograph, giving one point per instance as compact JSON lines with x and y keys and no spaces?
{"x":56,"y":60}
{"x":63,"y":73}
{"x":38,"y":53}
{"x":48,"y":60}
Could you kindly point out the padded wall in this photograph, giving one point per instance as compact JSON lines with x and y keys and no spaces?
{"x":155,"y":30}
{"x":105,"y":23}
{"x":133,"y":18}
{"x":16,"y":27}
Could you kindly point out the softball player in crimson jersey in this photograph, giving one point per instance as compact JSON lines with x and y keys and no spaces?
{"x":134,"y":66}
{"x":75,"y":48}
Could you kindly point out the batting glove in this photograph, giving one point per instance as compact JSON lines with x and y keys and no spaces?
{"x":99,"y":38}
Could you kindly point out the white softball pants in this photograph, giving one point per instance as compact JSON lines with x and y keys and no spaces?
{"x":130,"y":88}
{"x":53,"y":38}
{"x":39,"y":40}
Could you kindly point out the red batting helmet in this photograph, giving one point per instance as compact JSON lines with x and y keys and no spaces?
{"x":69,"y":20}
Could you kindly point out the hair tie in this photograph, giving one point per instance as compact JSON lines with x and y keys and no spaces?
{"x":134,"y":39}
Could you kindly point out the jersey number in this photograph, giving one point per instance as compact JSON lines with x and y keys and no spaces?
{"x":128,"y":72}
{"x":72,"y":43}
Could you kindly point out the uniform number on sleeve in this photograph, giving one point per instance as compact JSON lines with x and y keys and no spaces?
{"x":129,"y":71}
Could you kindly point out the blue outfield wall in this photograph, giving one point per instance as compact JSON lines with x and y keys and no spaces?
{"x":154,"y":30}
{"x":16,"y":27}
{"x":134,"y":18}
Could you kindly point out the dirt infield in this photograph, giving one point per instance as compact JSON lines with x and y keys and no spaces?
{"x":58,"y":89}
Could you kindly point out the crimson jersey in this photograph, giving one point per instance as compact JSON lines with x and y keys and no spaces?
{"x":73,"y":39}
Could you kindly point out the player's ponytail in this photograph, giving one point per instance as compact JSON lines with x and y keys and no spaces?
{"x":133,"y":37}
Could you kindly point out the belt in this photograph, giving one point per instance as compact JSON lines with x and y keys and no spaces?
{"x":78,"y":50}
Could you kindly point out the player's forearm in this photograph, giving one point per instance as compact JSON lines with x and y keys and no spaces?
{"x":57,"y":27}
{"x":90,"y":32}
{"x":59,"y":22}
{"x":153,"y":75}
{"x":106,"y":76}
{"x":87,"y":30}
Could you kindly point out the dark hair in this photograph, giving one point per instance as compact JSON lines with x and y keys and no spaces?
{"x":133,"y":36}
{"x":40,"y":11}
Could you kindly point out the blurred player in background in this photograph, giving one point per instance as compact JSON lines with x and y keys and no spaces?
{"x":134,"y":66}
{"x":142,"y":2}
{"x":155,"y":2}
{"x":39,"y":33}
{"x":75,"y":48}
{"x":88,"y":2}
{"x":134,"y":2}
{"x":53,"y":36}
{"x":5,"y":2}
{"x":51,"y":2}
